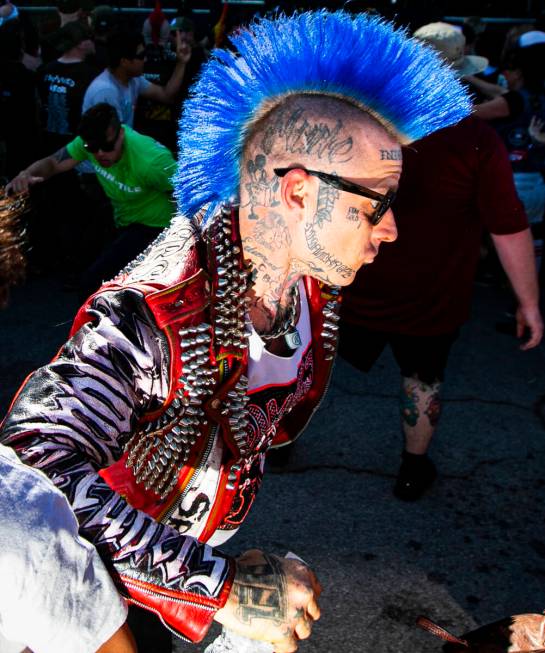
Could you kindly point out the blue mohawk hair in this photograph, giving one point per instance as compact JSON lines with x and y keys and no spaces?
{"x":364,"y":60}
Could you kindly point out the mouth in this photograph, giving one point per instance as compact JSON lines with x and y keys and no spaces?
{"x":370,"y":257}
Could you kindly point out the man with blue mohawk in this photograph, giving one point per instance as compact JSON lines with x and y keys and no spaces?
{"x":217,"y":342}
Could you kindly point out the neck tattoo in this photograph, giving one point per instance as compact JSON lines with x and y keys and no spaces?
{"x":286,"y":327}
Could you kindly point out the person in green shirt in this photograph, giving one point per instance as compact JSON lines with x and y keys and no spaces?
{"x":135,"y":172}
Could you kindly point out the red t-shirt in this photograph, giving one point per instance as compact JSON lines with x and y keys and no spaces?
{"x":454,"y":184}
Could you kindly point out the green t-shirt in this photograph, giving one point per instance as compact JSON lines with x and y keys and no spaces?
{"x":139,"y":184}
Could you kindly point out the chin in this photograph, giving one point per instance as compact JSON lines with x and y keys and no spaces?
{"x":342,"y":281}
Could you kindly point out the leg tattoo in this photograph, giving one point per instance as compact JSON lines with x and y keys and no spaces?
{"x":420,"y":410}
{"x":409,"y":405}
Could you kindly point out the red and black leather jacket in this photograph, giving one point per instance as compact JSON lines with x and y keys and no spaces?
{"x":144,"y":404}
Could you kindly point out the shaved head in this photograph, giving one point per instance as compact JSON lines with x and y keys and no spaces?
{"x":313,"y":131}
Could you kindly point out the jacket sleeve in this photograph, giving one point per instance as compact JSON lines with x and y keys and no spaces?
{"x":73,"y":417}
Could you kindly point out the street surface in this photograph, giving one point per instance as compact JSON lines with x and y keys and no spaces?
{"x":471,"y":551}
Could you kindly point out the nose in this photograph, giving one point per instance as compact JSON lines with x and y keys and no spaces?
{"x":386,"y":230}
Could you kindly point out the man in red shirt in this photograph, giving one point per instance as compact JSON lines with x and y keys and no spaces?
{"x":415,"y":297}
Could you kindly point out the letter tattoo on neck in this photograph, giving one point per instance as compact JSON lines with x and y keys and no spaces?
{"x":324,"y":256}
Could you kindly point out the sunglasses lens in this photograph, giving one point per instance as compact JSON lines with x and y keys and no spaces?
{"x":106,"y":146}
{"x":383,"y":207}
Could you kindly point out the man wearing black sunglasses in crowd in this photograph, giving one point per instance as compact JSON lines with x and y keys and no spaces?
{"x":134,"y":171}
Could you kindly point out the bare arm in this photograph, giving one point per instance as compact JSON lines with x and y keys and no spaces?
{"x":121,"y":641}
{"x":167,"y":93}
{"x":496,"y":108}
{"x":516,"y":254}
{"x":488,"y":89}
{"x":41,"y":170}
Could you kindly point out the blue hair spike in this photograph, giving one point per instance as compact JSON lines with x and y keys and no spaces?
{"x":401,"y":82}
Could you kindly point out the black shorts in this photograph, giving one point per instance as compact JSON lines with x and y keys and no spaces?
{"x":424,"y":357}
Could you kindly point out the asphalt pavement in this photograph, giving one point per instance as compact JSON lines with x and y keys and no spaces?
{"x":471,"y":551}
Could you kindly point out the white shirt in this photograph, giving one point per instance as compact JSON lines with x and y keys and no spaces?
{"x":56,"y":594}
{"x":106,"y":88}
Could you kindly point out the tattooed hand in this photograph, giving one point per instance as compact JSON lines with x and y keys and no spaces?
{"x":272,"y":599}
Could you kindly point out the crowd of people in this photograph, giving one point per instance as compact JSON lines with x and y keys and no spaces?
{"x":209,"y":324}
{"x":106,"y":208}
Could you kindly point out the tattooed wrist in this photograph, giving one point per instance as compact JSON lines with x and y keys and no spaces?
{"x":261,"y":591}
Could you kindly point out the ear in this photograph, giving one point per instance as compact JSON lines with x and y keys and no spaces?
{"x":294,"y":189}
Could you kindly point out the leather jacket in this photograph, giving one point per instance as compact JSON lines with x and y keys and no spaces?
{"x":144,"y":409}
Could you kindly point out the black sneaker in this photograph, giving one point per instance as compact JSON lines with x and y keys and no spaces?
{"x":415,"y":476}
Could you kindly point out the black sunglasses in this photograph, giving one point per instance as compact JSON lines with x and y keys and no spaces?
{"x":103,"y":146}
{"x":384,"y":201}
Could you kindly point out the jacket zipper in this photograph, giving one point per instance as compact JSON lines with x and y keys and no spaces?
{"x":196,"y":475}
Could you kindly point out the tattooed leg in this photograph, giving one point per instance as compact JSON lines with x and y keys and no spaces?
{"x":420,"y":409}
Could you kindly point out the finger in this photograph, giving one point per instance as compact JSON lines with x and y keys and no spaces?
{"x":313,"y":609}
{"x":521,"y":325}
{"x":303,"y":628}
{"x":533,"y":341}
{"x":178,"y":40}
{"x":287,"y":645}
